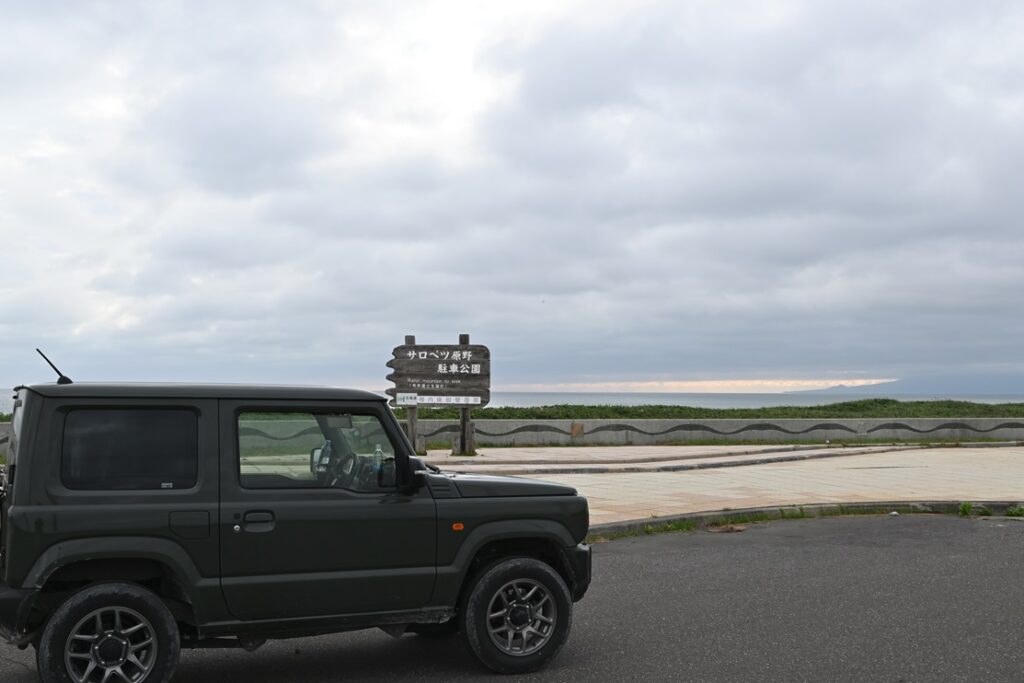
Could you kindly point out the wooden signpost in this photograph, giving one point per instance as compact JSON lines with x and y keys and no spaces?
{"x":441,"y":374}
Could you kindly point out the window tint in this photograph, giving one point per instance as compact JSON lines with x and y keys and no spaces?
{"x":117,"y":450}
{"x":305,"y":450}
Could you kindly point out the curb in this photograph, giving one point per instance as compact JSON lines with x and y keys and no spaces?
{"x":671,"y":458}
{"x":634,"y":467}
{"x":720,"y":517}
{"x":683,"y":467}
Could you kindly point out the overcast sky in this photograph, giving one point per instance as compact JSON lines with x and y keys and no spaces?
{"x":603,"y":192}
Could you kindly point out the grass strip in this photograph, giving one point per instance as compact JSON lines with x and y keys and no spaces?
{"x":865,"y":408}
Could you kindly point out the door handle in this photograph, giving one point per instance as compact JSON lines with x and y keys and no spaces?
{"x":258,"y":522}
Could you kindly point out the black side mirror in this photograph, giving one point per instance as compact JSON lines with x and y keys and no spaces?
{"x":413,"y":478}
{"x":386,"y":474}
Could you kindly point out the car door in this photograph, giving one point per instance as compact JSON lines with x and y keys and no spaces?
{"x":303,"y":537}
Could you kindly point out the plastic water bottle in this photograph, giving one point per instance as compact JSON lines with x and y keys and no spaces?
{"x":378,"y":459}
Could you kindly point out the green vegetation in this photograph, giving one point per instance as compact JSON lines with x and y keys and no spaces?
{"x":1015,"y":511}
{"x":867,"y":408}
{"x":698,"y":522}
{"x":646,"y":530}
{"x":968,"y":509}
{"x":4,"y":417}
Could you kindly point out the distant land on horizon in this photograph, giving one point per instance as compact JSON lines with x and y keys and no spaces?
{"x":934,"y":385}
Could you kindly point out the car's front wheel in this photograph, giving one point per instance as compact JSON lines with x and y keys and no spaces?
{"x":517,"y":615}
{"x":109,"y":632}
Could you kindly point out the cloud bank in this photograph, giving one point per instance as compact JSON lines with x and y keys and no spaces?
{"x":601,"y":192}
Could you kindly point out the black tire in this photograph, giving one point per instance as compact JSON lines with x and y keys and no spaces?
{"x":477,"y":625}
{"x":134,"y":601}
{"x":445,"y":630}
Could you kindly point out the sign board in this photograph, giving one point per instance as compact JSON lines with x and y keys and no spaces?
{"x":443,"y":374}
{"x":451,"y":400}
{"x":406,"y":399}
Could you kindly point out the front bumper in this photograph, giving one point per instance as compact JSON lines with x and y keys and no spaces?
{"x":15,"y":605}
{"x":580,"y":564}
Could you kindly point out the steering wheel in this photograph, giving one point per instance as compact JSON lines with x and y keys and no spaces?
{"x":341,"y":466}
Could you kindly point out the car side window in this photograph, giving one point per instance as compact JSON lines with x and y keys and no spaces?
{"x":281,"y":449}
{"x":114,"y":449}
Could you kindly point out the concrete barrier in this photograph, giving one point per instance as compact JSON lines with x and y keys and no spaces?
{"x":653,"y":432}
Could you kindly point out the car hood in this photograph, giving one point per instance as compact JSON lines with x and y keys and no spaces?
{"x":489,"y":485}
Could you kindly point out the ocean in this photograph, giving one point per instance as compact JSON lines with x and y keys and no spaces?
{"x":705,"y":400}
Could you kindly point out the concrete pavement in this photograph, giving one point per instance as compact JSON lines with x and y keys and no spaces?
{"x":637,"y":482}
{"x":952,"y":474}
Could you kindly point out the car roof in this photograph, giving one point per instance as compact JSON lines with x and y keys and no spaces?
{"x":221,"y":391}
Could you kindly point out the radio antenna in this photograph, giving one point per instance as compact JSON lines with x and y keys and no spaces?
{"x":61,"y":377}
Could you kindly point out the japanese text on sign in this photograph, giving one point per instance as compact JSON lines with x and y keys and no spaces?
{"x":438,"y":354}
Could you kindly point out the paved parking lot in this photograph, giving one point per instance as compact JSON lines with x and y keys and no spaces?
{"x":910,"y":598}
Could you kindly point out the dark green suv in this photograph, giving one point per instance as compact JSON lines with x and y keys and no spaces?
{"x":140,"y":519}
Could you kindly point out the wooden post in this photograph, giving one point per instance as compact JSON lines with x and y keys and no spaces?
{"x":466,"y":436}
{"x":412,"y":428}
{"x":411,"y":417}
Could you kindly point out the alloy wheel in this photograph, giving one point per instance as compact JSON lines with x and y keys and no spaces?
{"x":111,"y":645}
{"x":521,"y":617}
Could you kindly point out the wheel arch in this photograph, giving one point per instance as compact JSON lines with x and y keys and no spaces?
{"x":162,"y":551}
{"x":489,"y":543}
{"x":159,"y":565}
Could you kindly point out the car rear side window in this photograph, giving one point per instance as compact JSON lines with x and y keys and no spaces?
{"x":110,"y":449}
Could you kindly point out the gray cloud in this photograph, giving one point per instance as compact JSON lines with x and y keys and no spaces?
{"x":679,"y":191}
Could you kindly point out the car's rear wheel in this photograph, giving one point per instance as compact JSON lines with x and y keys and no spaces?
{"x":109,"y":633}
{"x":517,"y":616}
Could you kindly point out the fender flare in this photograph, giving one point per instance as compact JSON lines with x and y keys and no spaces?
{"x":162,"y":551}
{"x":544,"y":529}
{"x":450,"y":578}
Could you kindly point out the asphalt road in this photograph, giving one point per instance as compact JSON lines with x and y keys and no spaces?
{"x":911,"y":598}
